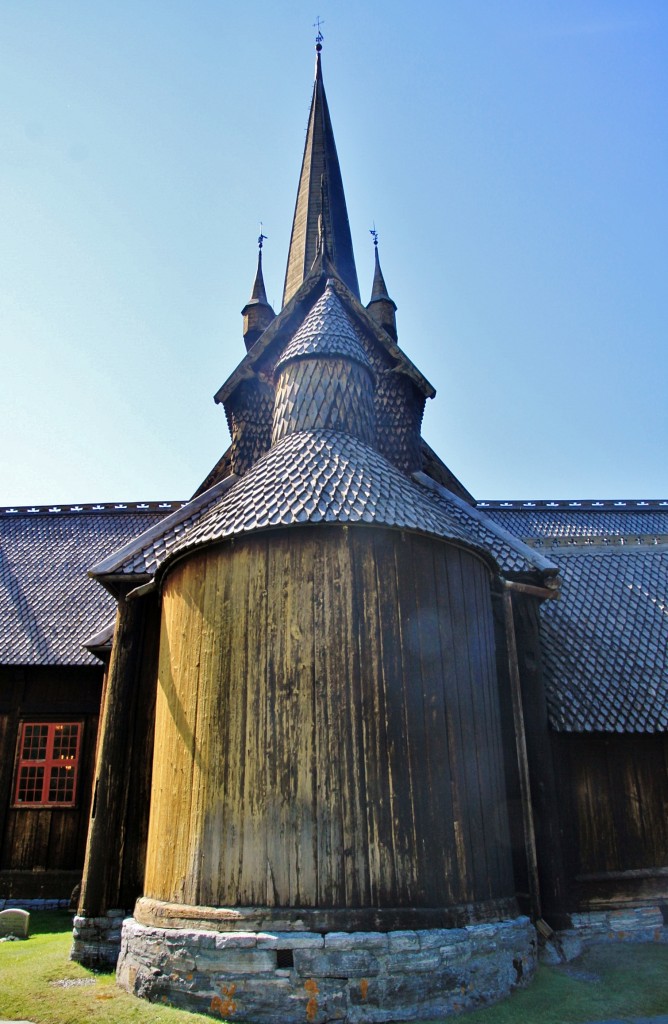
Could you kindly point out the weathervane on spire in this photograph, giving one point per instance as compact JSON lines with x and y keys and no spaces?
{"x":319,"y":38}
{"x":262,"y":238}
{"x":374,"y":234}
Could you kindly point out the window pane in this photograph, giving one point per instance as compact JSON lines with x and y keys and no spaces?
{"x":31,"y":780}
{"x":61,"y":785}
{"x":65,"y":742}
{"x":34,"y":742}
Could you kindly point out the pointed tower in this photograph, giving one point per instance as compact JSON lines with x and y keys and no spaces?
{"x":257,"y":312}
{"x":328,"y":837}
{"x":381,"y":306}
{"x":320,"y":210}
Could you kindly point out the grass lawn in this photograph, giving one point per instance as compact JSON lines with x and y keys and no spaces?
{"x":39,"y":983}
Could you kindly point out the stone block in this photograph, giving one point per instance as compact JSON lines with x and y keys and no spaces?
{"x":181,"y":963}
{"x":423,"y":960}
{"x":335,"y":964}
{"x":403,"y":941}
{"x":15,"y":922}
{"x":350,"y":941}
{"x":434,"y":938}
{"x":290,"y":940}
{"x":414,"y":989}
{"x":313,"y":1001}
{"x":235,"y":940}
{"x":457,"y":951}
{"x":197,"y":939}
{"x":233,"y":960}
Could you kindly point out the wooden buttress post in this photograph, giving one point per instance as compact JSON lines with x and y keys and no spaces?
{"x":119,"y":813}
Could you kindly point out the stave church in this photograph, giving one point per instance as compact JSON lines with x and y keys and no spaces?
{"x":334,"y":740}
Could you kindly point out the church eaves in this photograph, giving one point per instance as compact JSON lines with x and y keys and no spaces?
{"x":320,"y":214}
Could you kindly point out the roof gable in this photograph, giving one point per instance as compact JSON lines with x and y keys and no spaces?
{"x":292,"y":316}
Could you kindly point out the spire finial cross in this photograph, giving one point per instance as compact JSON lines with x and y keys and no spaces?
{"x":319,"y":37}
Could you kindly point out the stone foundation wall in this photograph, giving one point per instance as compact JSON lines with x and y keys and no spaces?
{"x":10,"y":904}
{"x":306,"y":977}
{"x":633,"y":924}
{"x":97,"y":940}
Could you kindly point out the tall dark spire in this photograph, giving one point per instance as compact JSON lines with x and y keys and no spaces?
{"x":257,"y":312}
{"x":320,"y":194}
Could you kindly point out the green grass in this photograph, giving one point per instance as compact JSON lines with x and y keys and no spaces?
{"x":31,"y":976}
{"x":619,"y":981}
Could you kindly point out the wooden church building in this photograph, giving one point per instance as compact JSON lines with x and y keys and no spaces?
{"x":358,"y":733}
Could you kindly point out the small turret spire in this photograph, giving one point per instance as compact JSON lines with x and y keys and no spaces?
{"x":320,"y":198}
{"x":257,"y":312}
{"x":381,"y":307}
{"x":259,"y":293}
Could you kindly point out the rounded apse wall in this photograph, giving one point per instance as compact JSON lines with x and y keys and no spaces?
{"x":327,"y":731}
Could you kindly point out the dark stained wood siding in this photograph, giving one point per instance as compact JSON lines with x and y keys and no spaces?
{"x":328,"y":726}
{"x":545,"y":794}
{"x":614,"y":816}
{"x":115,"y":854}
{"x":50,"y":841}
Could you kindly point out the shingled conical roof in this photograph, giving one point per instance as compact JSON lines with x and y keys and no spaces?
{"x":320,"y":211}
{"x":379,"y":291}
{"x":257,"y":312}
{"x":259,"y":292}
{"x":326,"y":331}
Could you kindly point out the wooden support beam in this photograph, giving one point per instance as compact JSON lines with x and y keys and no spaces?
{"x":113,"y":867}
{"x":522,"y":758}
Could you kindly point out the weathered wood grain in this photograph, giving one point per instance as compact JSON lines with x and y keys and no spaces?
{"x":114,"y":861}
{"x":614,"y":817}
{"x":328,"y":728}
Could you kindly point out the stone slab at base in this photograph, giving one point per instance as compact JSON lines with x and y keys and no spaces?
{"x":296,"y":977}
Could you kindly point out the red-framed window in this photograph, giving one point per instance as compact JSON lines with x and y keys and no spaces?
{"x":48,"y":764}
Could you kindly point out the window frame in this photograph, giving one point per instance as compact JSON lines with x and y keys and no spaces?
{"x":47,"y":763}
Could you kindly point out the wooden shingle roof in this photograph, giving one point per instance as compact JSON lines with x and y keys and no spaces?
{"x":48,"y":605}
{"x":605,"y":642}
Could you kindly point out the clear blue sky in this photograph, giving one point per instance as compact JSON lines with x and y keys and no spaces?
{"x":514,"y":157}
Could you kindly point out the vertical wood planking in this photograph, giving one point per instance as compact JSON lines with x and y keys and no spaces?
{"x":327,"y":795}
{"x":326,"y":717}
{"x":380,"y":808}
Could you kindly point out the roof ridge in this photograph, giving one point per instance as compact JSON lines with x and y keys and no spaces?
{"x":66,"y":508}
{"x":568,"y":504}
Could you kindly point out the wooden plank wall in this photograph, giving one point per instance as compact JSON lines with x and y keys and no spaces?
{"x":614,"y":815}
{"x":48,"y":839}
{"x":546,"y":796}
{"x":328,"y":726}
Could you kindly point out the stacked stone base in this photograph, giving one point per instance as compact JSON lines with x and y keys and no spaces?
{"x":97,"y":940}
{"x":296,"y":977}
{"x":632,"y":924}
